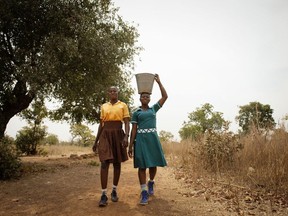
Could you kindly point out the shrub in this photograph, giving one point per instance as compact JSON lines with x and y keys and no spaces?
{"x":28,"y":139}
{"x":9,"y":160}
{"x":51,"y":139}
{"x":219,"y":149}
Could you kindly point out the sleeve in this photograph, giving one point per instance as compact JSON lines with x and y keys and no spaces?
{"x":126,"y":111}
{"x":102,"y":112}
{"x":134,"y":119}
{"x":156,"y":107}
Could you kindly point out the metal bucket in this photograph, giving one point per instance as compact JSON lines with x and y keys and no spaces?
{"x":145,"y":82}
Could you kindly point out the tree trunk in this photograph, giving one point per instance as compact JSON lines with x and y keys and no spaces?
{"x":17,"y":101}
{"x":3,"y":124}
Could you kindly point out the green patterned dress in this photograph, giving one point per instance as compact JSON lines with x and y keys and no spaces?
{"x":148,"y":151}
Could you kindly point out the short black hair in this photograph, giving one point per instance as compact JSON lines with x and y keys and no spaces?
{"x":113,"y":87}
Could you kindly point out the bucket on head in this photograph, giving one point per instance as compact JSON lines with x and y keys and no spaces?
{"x":145,"y":82}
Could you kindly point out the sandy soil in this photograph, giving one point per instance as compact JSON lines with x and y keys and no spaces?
{"x":71,"y":186}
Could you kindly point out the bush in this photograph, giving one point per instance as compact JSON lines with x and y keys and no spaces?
{"x":28,"y":139}
{"x":9,"y":160}
{"x":219,"y":149}
{"x":51,"y":139}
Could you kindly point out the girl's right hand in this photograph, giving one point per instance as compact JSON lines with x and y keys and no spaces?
{"x":95,"y":147}
{"x":130,"y":151}
{"x":157,"y":78}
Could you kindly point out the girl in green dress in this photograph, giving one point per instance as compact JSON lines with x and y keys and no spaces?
{"x":148,"y":152}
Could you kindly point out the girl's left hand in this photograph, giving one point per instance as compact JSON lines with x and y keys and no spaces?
{"x":130,"y":152}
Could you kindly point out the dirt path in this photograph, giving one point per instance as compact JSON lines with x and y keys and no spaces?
{"x":67,"y":186}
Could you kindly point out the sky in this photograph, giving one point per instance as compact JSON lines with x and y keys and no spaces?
{"x":224,"y":52}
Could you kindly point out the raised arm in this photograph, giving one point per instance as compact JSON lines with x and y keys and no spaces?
{"x":162,"y":90}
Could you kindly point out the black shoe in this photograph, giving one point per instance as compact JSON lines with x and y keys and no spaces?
{"x":103,"y":200}
{"x":114,"y":196}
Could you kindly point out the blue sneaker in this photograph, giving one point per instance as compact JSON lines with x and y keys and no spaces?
{"x":150,"y":187}
{"x":103,"y":200}
{"x":144,"y":197}
{"x":114,"y":196}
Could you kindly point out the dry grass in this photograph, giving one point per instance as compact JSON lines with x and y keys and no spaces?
{"x":183,"y":154}
{"x":65,"y":150}
{"x":263,"y":161}
{"x":255,"y":183}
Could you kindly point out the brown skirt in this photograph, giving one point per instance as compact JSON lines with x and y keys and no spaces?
{"x":110,"y":143}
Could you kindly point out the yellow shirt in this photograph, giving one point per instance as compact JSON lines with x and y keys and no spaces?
{"x":115,"y":112}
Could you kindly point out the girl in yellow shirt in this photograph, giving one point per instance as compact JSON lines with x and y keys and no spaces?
{"x":111,"y":141}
